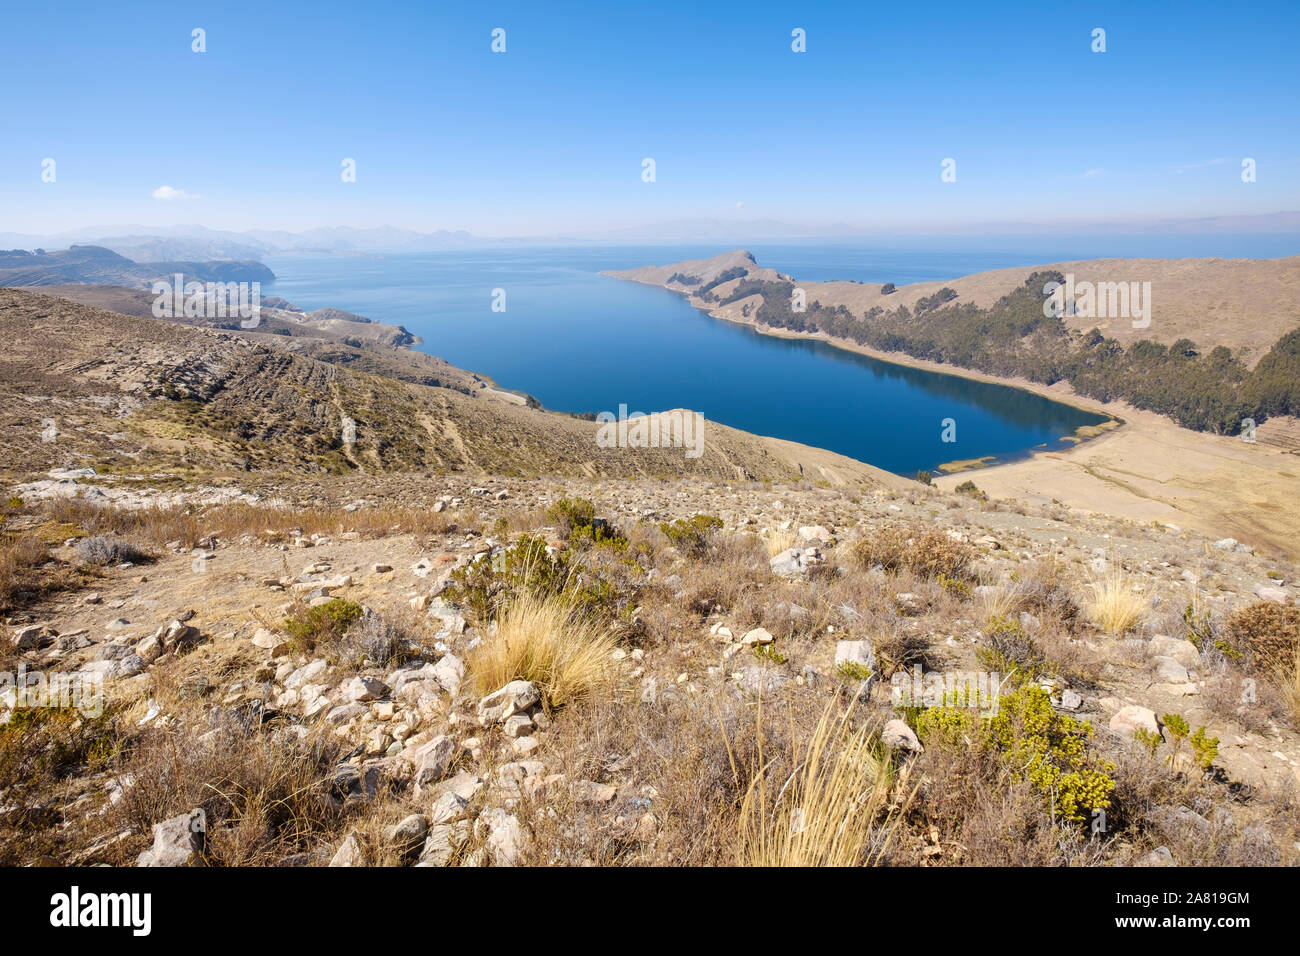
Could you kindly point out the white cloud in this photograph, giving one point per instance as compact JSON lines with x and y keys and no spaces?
{"x":170,"y":192}
{"x":1218,"y":161}
{"x":1094,"y":173}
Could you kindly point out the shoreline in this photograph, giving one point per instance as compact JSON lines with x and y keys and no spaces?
{"x":1145,"y":468}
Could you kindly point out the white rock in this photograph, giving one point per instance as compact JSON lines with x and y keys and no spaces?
{"x":1133,"y":718}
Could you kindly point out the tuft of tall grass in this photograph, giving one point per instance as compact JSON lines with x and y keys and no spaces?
{"x":1114,"y":606}
{"x":548,"y":641}
{"x":834,"y":809}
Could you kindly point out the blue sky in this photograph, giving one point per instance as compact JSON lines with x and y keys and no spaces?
{"x":548,"y":138}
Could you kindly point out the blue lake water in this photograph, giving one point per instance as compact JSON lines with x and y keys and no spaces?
{"x":583,"y":342}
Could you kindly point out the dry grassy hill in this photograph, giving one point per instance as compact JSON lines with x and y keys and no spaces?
{"x":1244,"y":304}
{"x":129,"y":394}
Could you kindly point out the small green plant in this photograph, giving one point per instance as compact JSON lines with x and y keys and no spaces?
{"x":1205,"y":748}
{"x":309,"y":626}
{"x":692,"y":536}
{"x":1051,"y":752}
{"x":954,"y":586}
{"x":1200,"y":629}
{"x":968,"y":487}
{"x":925,"y":477}
{"x":768,"y":652}
{"x":1148,"y":739}
{"x":1009,"y":650}
{"x":946,"y":726}
{"x":853,"y":671}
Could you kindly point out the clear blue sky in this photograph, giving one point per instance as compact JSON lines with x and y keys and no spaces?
{"x":548,"y":138}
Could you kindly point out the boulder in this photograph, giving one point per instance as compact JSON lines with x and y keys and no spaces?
{"x":1132,"y":718}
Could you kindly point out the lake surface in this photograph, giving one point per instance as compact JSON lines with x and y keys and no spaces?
{"x":583,"y":342}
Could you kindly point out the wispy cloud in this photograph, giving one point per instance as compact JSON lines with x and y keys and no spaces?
{"x":169,"y":193}
{"x":1094,"y":173}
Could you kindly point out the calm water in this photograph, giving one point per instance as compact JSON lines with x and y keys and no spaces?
{"x":583,"y":342}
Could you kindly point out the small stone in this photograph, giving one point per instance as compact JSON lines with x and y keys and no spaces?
{"x":349,"y":852}
{"x":757,"y":636}
{"x":898,"y":736}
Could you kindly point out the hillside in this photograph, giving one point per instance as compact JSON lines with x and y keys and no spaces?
{"x":130,"y":393}
{"x":1243,"y":304}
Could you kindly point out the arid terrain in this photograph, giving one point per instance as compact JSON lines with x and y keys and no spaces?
{"x":460,"y":633}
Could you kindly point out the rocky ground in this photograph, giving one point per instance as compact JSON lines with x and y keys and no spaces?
{"x":418,"y":763}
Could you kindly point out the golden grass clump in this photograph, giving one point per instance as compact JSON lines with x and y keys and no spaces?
{"x":778,"y":541}
{"x":548,"y":641}
{"x":1114,"y":606}
{"x":833,"y":810}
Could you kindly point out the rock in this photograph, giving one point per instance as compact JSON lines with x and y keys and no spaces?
{"x":1169,"y":670}
{"x":305,"y":674}
{"x":441,"y":844}
{"x":451,"y":618}
{"x":408,"y":834}
{"x":34,"y":636}
{"x":505,"y":838}
{"x":861,"y":653}
{"x":431,"y":759}
{"x":516,"y":696}
{"x":349,"y":852}
{"x":1184,"y":652}
{"x":794,"y":561}
{"x":149,"y":650}
{"x":345,"y":712}
{"x":177,"y":634}
{"x":1160,"y":856}
{"x":517,"y":725}
{"x":1133,"y":718}
{"x":757,"y":636}
{"x":1225,"y":544}
{"x":268,"y":640}
{"x":588,"y":791}
{"x":380,"y":568}
{"x":1071,"y":700}
{"x":1270,"y":593}
{"x":177,"y":841}
{"x":815,"y":532}
{"x":524,"y":745}
{"x":757,"y":679}
{"x":898,"y":736}
{"x":449,"y":672}
{"x":362,"y":689}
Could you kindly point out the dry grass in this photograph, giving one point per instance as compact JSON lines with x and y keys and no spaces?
{"x":189,"y":526}
{"x":1114,"y":606}
{"x":547,"y":641}
{"x":20,"y":559}
{"x":833,"y":810}
{"x":778,"y":541}
{"x":926,"y":552}
{"x":1290,"y":681}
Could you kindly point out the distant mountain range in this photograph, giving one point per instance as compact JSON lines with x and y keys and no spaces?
{"x":99,"y":266}
{"x":199,"y":243}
